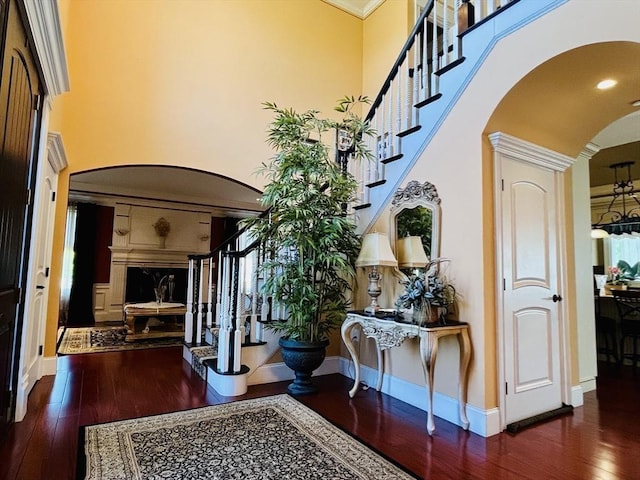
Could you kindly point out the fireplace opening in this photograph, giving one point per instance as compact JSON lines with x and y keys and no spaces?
{"x":141,"y":281}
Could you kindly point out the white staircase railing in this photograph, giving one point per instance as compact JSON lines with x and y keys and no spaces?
{"x":223,"y":301}
{"x":434,"y":46}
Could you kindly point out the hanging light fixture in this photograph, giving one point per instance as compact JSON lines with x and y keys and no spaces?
{"x":614,"y":220}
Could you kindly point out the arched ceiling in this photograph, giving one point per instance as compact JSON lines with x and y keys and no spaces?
{"x":558,"y":106}
{"x":162,"y":183}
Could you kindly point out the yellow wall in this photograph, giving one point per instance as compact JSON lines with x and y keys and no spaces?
{"x":385,"y":32}
{"x":182,"y":83}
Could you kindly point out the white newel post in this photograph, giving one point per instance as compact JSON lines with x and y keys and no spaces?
{"x":188,"y":317}
{"x":198,"y":339}
{"x":224,"y":316}
{"x":239,"y":327}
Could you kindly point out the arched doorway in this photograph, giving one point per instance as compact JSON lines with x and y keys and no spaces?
{"x":111,"y":234}
{"x":557,"y":106}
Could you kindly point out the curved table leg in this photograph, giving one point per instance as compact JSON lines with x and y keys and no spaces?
{"x":130,"y":323}
{"x":428,"y":353}
{"x":465,"y":356}
{"x":345,"y":332}
{"x":380,"y":359}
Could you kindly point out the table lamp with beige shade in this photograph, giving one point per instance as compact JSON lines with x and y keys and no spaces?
{"x":375,"y":252}
{"x":410,"y":253}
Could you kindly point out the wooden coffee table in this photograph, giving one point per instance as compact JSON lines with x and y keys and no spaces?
{"x":152,"y":309}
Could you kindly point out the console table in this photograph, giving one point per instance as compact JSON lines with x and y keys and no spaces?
{"x":152,"y":309}
{"x":389,"y":333}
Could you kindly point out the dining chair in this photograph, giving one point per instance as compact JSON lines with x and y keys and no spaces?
{"x":628,"y":304}
{"x":606,"y":330}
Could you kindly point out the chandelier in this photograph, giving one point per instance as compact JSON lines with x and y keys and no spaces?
{"x":623,"y":212}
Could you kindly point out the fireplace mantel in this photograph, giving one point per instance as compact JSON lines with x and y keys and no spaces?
{"x":156,"y":257}
{"x":136,"y":244}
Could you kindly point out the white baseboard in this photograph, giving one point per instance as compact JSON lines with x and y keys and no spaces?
{"x":45,"y":366}
{"x":49,"y":366}
{"x":278,"y":372}
{"x":482,"y":422}
{"x":22,"y":396}
{"x":577,"y":391}
{"x":588,"y":384}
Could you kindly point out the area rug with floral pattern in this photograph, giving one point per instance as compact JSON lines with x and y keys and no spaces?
{"x":107,"y":339}
{"x":273,"y":437}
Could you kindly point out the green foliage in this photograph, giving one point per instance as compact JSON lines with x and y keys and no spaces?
{"x":427,"y":289}
{"x":312,"y":244}
{"x":414,"y":221}
{"x":628,"y":272}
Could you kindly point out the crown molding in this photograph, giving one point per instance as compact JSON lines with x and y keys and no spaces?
{"x":356,"y":8}
{"x":529,"y":152}
{"x":44,"y":20}
{"x":589,"y":151}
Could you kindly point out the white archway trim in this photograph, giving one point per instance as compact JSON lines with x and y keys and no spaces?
{"x":44,"y":20}
{"x":529,"y":152}
{"x":589,"y":151}
{"x":582,"y":275}
{"x":56,"y":154}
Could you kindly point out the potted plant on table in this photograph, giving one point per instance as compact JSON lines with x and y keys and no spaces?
{"x":429,"y":295}
{"x":312,"y":245}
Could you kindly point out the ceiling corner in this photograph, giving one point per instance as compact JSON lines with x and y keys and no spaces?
{"x":358,"y":8}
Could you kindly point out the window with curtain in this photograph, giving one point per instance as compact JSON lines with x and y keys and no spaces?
{"x":67,"y":261}
{"x":622,"y":247}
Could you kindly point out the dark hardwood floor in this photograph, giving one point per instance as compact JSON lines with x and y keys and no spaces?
{"x":600,"y":440}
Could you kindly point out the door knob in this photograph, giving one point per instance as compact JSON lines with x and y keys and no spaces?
{"x":556,"y":298}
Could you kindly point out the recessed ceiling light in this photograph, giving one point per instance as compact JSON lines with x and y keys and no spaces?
{"x":608,"y":83}
{"x":636,"y":103}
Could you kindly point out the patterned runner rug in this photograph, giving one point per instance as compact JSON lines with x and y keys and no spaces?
{"x":264,"y":438}
{"x":107,"y":339}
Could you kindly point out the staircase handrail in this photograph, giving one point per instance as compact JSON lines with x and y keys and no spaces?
{"x":398,"y":63}
{"x":228,"y":241}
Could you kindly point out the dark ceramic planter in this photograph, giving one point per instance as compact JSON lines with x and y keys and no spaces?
{"x":303,"y":358}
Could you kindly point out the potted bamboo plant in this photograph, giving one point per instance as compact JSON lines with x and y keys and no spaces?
{"x":312,"y":245}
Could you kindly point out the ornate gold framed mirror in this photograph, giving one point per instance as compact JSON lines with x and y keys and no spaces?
{"x":415,"y":212}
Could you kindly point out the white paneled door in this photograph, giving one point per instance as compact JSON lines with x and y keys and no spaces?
{"x":531,"y":330}
{"x":533,"y":342}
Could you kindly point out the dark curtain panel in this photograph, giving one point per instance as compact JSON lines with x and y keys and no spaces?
{"x":81,"y":296}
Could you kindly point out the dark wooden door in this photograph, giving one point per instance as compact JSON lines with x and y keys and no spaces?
{"x":19,"y":93}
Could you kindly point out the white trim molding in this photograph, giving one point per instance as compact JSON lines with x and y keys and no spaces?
{"x":44,"y":20}
{"x":57,"y":156}
{"x":529,"y":152}
{"x":589,"y":151}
